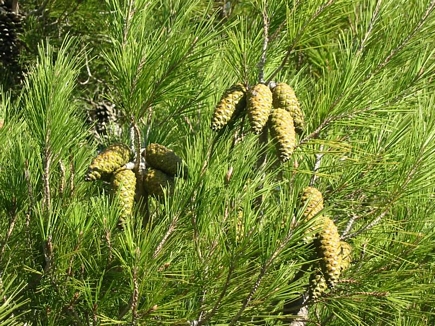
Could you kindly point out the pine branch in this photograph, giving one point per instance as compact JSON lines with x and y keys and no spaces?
{"x":203,"y":320}
{"x":261,"y":275}
{"x":165,"y":75}
{"x":405,"y":41}
{"x":297,"y":38}
{"x":331,"y":119}
{"x":389,"y":204}
{"x":375,"y":16}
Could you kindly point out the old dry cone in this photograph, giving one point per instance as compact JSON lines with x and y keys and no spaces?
{"x":259,"y":105}
{"x":284,"y":97}
{"x":228,"y":107}
{"x":108,"y":161}
{"x":283,"y":133}
{"x":10,"y":29}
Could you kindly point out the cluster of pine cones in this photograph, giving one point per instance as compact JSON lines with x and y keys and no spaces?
{"x":334,"y":255}
{"x":112,"y":165}
{"x":275,"y":106}
{"x":10,"y":29}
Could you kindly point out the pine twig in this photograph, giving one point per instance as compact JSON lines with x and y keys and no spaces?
{"x":76,"y":248}
{"x":13,"y":220}
{"x":48,"y":254}
{"x":31,"y":202}
{"x":46,"y":178}
{"x":316,"y":168}
{"x":135,"y":298}
{"x":171,"y":229}
{"x":136,"y":145}
{"x":72,"y":175}
{"x":262,"y":61}
{"x":62,"y":177}
{"x":349,"y":226}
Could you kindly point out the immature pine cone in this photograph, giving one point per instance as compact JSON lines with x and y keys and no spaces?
{"x":155,"y":181}
{"x":317,"y":284}
{"x":283,"y":132}
{"x":345,"y":255}
{"x":124,"y":186}
{"x":285,"y":98}
{"x":329,"y":250}
{"x":231,"y":102}
{"x":259,"y":104}
{"x":164,"y":159}
{"x":111,"y":159}
{"x":312,"y":200}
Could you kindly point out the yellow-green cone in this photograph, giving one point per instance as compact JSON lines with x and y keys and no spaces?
{"x":155,"y":181}
{"x":329,"y":250}
{"x":124,"y":186}
{"x":284,"y":97}
{"x":345,"y":255}
{"x":259,"y":104}
{"x":317,"y":284}
{"x":164,"y":159}
{"x":231,"y":102}
{"x":312,"y":200}
{"x":111,"y":159}
{"x":283,"y":133}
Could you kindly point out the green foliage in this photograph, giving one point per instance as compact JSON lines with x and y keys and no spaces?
{"x":228,"y":244}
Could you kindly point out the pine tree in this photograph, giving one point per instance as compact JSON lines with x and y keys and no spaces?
{"x":231,"y":241}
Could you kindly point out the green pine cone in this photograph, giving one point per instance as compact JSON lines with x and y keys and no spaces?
{"x":318,"y":284}
{"x":329,"y":250}
{"x":155,"y":181}
{"x":124,"y":186}
{"x":312,"y":200}
{"x":111,"y":159}
{"x":259,"y":105}
{"x":283,"y":133}
{"x":230,"y":104}
{"x":284,"y":97}
{"x":164,"y":159}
